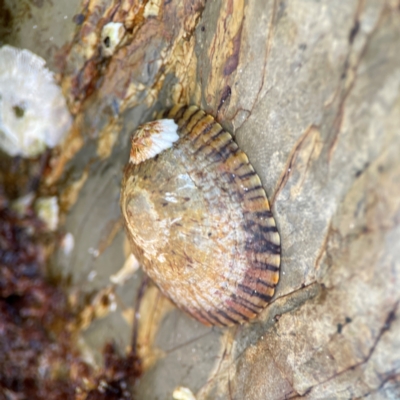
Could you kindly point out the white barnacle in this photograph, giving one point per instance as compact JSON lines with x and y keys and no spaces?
{"x":153,"y":138}
{"x":33,"y":111}
{"x":111,"y":36}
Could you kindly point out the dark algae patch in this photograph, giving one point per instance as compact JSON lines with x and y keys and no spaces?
{"x":38,"y":358}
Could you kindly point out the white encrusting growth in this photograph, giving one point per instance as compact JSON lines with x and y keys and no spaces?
{"x":33,"y":111}
{"x":153,"y":138}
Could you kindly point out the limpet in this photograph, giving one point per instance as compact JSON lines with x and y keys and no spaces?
{"x":198,"y":219}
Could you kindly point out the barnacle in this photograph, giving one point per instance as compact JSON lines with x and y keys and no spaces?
{"x":111,"y":35}
{"x":152,"y":139}
{"x":33,"y":111}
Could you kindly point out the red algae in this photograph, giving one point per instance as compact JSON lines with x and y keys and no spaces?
{"x":38,"y":358}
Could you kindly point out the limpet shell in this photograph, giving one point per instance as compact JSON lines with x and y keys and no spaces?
{"x":198,"y":219}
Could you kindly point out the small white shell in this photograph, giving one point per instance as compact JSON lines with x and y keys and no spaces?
{"x":33,"y":111}
{"x":152,"y":139}
{"x":183,"y":393}
{"x":111,"y":36}
{"x":68,"y":243}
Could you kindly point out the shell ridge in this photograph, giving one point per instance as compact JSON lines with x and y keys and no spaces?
{"x":188,"y":119}
{"x":199,"y":299}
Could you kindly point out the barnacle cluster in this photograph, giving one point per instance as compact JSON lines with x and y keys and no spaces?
{"x":33,"y":111}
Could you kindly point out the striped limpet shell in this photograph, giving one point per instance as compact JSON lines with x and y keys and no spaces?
{"x":198,"y":218}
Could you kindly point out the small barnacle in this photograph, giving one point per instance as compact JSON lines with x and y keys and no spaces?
{"x":111,"y":36}
{"x":198,"y":219}
{"x":33,"y":111}
{"x":152,"y":139}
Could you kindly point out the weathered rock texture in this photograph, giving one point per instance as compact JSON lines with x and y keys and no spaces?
{"x":311,"y":91}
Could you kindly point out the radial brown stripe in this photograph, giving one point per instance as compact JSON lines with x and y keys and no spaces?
{"x":202,"y":317}
{"x":244,"y":302}
{"x":259,"y":280}
{"x":208,"y":127}
{"x":192,"y":121}
{"x":217,"y":319}
{"x":264,"y":266}
{"x":188,"y":113}
{"x":228,"y":149}
{"x":236,"y":161}
{"x":213,"y":134}
{"x":216,"y":145}
{"x":255,"y":203}
{"x":200,"y":128}
{"x":243,"y":164}
{"x":250,"y":292}
{"x":234,"y":310}
{"x":243,"y":169}
{"x":175,"y":112}
{"x":206,"y":140}
{"x":268,"y":229}
{"x":256,"y":190}
{"x":241,"y":308}
{"x":247,"y":175}
{"x":255,"y":198}
{"x":228,"y":317}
